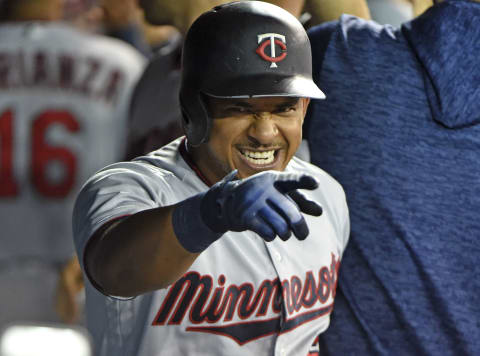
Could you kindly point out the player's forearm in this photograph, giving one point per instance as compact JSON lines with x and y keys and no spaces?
{"x":295,"y":7}
{"x":139,"y":255}
{"x":328,"y":10}
{"x":419,"y":6}
{"x":153,"y":248}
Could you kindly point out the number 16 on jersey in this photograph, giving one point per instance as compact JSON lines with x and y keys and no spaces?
{"x":42,"y":154}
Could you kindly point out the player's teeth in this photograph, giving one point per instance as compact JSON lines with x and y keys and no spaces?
{"x":257,"y":154}
{"x":256,"y":157}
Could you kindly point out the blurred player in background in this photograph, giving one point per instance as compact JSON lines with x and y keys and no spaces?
{"x":64,"y":97}
{"x":395,"y":12}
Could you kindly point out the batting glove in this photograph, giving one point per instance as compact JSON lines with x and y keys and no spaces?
{"x":266,"y":203}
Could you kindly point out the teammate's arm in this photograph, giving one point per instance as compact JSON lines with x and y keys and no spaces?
{"x":151,"y":249}
{"x":419,"y":6}
{"x":69,"y":285}
{"x":295,"y":7}
{"x":323,"y":11}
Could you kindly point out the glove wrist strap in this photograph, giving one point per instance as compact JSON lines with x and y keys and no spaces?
{"x":191,"y":231}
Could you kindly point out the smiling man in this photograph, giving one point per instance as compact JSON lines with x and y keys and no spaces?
{"x":220,"y":242}
{"x":251,"y":135}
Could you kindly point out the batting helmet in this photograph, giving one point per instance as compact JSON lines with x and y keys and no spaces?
{"x":243,"y":49}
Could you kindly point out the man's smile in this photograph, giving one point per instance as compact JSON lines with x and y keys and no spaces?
{"x":259,"y":159}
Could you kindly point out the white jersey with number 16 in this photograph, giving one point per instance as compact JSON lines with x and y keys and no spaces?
{"x":64,"y":98}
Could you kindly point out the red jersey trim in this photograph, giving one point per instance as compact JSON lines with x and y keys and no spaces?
{"x":188,"y":160}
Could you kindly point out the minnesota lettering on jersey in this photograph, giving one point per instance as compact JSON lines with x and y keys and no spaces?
{"x":306,"y":299}
{"x":60,"y":71}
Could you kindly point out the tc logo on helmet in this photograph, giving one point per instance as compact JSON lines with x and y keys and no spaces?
{"x":272,"y":40}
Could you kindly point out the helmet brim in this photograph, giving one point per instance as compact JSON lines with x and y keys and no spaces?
{"x":273,"y":86}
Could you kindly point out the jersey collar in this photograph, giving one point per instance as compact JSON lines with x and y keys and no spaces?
{"x":183,"y":149}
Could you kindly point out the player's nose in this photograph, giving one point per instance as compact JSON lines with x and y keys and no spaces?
{"x":263,"y":128}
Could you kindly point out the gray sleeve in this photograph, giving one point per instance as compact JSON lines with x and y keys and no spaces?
{"x":119,"y":190}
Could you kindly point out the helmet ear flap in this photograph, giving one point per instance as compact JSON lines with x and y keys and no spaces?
{"x":196,"y":120}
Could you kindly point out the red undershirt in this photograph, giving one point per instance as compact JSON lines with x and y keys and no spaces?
{"x":188,"y":159}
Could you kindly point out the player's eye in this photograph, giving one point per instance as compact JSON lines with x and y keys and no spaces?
{"x":237,"y":109}
{"x":287,"y":109}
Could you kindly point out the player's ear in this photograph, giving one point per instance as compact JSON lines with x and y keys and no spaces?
{"x":306,"y":102}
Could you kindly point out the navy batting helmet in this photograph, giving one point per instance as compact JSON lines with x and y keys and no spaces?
{"x":243,"y":49}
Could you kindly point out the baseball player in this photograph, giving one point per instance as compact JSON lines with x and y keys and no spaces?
{"x":63,"y":103}
{"x":221,"y":242}
{"x":146,"y":134}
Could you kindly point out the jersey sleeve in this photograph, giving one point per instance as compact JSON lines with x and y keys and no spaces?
{"x":117,"y":191}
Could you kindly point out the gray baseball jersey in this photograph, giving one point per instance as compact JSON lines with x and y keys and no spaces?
{"x":242,"y":295}
{"x":64,"y":97}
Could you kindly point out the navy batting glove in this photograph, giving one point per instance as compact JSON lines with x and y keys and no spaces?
{"x":267,"y":203}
